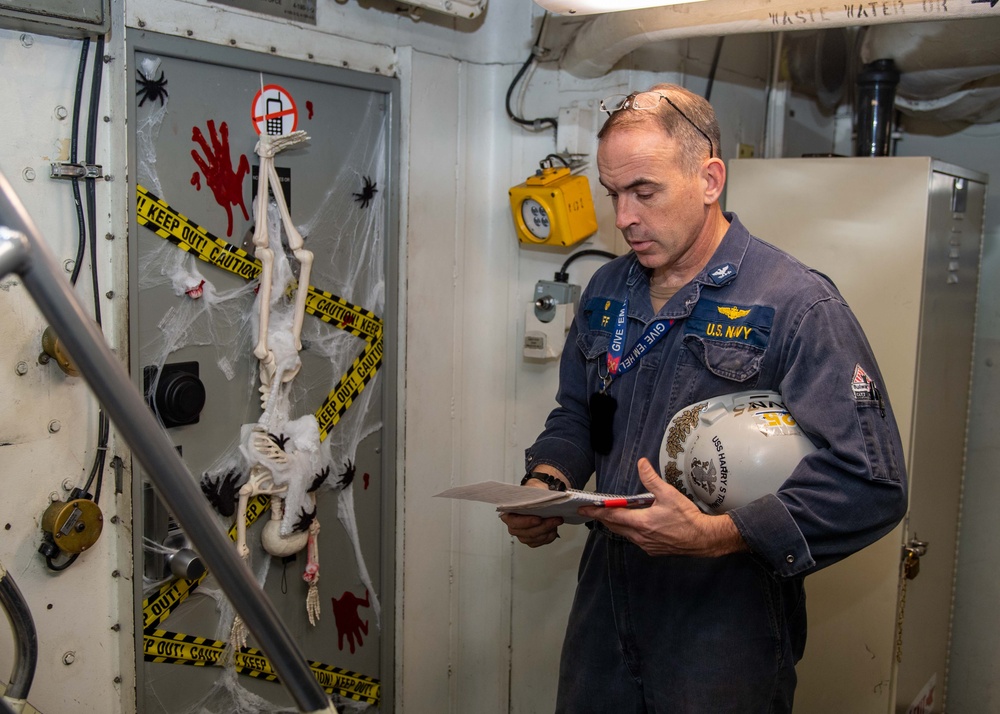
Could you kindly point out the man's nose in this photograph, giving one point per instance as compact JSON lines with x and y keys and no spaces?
{"x":624,"y":214}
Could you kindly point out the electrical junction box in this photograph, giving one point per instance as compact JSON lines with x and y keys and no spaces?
{"x":62,"y":18}
{"x":548,"y":318}
{"x":553,"y":207}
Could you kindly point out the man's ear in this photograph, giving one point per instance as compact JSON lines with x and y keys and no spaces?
{"x":713,"y":174}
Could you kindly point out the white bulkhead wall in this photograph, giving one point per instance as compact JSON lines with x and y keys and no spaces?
{"x":478,"y":621}
{"x":48,"y":423}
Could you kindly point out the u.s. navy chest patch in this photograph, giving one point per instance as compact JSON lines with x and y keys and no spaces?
{"x":745,"y":324}
{"x":601,"y":313}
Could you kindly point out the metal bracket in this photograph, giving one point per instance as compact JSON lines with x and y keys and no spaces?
{"x":67,"y":170}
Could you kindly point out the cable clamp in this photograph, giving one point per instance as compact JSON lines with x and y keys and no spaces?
{"x":68,"y":170}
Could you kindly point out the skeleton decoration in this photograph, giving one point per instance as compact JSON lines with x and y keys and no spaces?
{"x":283,"y":455}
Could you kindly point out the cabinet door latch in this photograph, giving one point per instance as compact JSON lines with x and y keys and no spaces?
{"x":68,"y":170}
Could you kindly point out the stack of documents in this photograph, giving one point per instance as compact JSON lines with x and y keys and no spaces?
{"x":509,"y":498}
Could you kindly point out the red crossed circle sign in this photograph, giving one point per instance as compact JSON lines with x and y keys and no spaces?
{"x":273,"y":111}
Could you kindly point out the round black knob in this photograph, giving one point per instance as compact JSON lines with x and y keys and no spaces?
{"x":180,"y":397}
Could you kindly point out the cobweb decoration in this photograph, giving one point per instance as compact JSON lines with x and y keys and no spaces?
{"x":227,"y":696}
{"x":349,"y":247}
{"x":148,"y":129}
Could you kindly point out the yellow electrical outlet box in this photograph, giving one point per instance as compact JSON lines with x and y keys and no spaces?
{"x":553,"y":207}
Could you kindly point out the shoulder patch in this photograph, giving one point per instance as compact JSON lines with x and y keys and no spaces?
{"x":861,"y":383}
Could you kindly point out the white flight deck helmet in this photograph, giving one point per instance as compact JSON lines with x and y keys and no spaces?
{"x":727,"y":451}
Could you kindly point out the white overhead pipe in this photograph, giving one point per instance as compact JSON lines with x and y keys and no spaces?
{"x":937,"y":58}
{"x":602,"y":40}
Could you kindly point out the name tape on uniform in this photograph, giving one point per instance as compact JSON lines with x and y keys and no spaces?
{"x":158,"y":216}
{"x":174,"y":648}
{"x":157,"y":608}
{"x":341,"y":397}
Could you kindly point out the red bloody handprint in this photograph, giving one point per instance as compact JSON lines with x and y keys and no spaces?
{"x":349,"y":623}
{"x":217,"y":166}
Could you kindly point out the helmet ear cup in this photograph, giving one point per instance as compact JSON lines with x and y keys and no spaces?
{"x":727,"y":451}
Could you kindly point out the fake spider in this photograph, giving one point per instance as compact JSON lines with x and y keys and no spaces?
{"x":279,"y":440}
{"x":222,"y":492}
{"x":319,"y":479}
{"x":151,"y":89}
{"x":345,"y":479}
{"x":305,"y":520}
{"x":367,"y":194}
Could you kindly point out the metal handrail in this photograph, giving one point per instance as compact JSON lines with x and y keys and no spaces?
{"x":22,"y":251}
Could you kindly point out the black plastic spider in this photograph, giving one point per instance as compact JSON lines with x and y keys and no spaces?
{"x":345,"y":479}
{"x":367,"y":194}
{"x":305,"y":520}
{"x":151,"y":89}
{"x":279,"y":440}
{"x":319,"y":479}
{"x":222,"y":491}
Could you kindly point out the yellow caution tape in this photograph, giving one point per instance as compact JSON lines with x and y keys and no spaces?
{"x":163,"y":646}
{"x":340,"y":313}
{"x":167,"y":223}
{"x":175,"y":648}
{"x":341,"y":397}
{"x":157,"y":215}
{"x":157,"y":608}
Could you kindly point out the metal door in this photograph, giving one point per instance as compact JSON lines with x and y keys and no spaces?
{"x":196,"y":117}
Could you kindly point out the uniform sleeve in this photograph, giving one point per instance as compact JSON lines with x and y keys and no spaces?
{"x":565,"y":441}
{"x":852,"y":490}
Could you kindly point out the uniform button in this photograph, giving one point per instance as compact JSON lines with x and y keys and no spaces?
{"x":789,"y":558}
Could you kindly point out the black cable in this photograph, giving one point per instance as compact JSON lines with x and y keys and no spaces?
{"x":95,"y":99}
{"x":25,"y":639}
{"x":555,"y":156}
{"x":540,"y":122}
{"x":73,"y":145}
{"x":97,"y":470}
{"x":714,"y":68}
{"x":52,"y":566}
{"x":563,"y":276}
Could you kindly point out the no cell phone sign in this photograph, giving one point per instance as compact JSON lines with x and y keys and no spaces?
{"x":274,"y":112}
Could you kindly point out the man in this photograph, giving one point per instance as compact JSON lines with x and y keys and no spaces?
{"x":678,"y":611}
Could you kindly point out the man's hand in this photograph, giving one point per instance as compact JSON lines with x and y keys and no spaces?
{"x":673,"y":525}
{"x":535,"y":531}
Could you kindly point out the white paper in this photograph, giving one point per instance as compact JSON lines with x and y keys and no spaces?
{"x":509,"y":498}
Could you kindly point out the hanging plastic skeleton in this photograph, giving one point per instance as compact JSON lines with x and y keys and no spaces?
{"x":283,"y":455}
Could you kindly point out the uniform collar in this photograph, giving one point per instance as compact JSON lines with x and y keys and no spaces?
{"x":722,"y":269}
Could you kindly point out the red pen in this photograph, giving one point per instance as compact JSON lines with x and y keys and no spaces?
{"x":626,"y":502}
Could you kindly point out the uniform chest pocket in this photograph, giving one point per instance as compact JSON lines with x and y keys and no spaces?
{"x":735,"y":361}
{"x":593,"y":344}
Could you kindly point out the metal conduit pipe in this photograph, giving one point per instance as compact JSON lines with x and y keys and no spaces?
{"x":23,"y":251}
{"x":603,"y":40}
{"x":25,"y":641}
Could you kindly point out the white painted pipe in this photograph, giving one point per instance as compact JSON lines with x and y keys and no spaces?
{"x":937,"y":58}
{"x":604,"y":39}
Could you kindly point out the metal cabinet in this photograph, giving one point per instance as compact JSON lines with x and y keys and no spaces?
{"x":901,"y":238}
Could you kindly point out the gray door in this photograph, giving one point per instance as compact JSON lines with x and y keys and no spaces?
{"x":196,"y":117}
